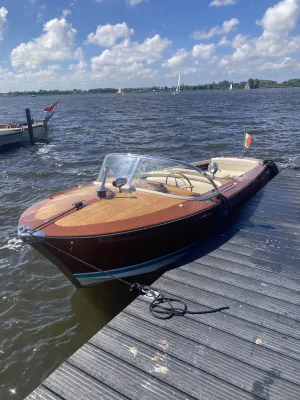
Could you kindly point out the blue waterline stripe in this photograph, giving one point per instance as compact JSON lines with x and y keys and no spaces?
{"x":129,"y":269}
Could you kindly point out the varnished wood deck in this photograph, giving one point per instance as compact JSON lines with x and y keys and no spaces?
{"x":251,"y":351}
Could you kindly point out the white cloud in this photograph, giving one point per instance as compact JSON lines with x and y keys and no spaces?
{"x":133,"y":3}
{"x":282,"y":17}
{"x":130,"y":3}
{"x":219,"y":3}
{"x":128,"y":53}
{"x":30,"y":79}
{"x":224,"y":62}
{"x":128,"y":60}
{"x":275,"y":41}
{"x":3,"y":13}
{"x":271,"y":50}
{"x":184,"y":72}
{"x":81,"y":65}
{"x":204,"y":51}
{"x":65,"y":13}
{"x":107,"y":35}
{"x":189,"y":70}
{"x":55,"y":44}
{"x":227,"y":27}
{"x":212,"y":60}
{"x":224,"y":42}
{"x":177,"y":59}
{"x":279,"y":64}
{"x":239,"y":40}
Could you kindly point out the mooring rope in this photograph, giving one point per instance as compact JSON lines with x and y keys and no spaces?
{"x":161,"y":307}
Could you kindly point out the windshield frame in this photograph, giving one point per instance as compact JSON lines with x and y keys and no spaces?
{"x":139,"y":158}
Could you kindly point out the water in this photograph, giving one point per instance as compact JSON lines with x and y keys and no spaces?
{"x":43,"y":318}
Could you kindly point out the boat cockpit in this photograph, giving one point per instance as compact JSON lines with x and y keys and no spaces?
{"x":168,"y":177}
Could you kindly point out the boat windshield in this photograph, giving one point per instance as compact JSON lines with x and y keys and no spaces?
{"x":117,"y":166}
{"x":157,"y":174}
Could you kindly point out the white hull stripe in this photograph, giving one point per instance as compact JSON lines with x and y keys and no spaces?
{"x":137,"y":269}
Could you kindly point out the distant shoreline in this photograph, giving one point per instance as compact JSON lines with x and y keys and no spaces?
{"x":223,"y":85}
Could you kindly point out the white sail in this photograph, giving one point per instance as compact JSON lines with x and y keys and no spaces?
{"x":120,"y":91}
{"x":178,"y":84}
{"x":177,"y":90}
{"x":247,"y":86}
{"x":230,"y":88}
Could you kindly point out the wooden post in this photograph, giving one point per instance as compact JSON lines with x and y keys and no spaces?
{"x":29,"y":125}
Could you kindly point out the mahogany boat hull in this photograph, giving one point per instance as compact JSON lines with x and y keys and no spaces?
{"x":89,"y":260}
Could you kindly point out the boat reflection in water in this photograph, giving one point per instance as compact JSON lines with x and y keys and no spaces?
{"x":141,"y":214}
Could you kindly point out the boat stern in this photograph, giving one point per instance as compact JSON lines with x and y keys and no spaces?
{"x":272,"y":167}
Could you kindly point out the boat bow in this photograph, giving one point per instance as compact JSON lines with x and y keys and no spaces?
{"x":30,"y":235}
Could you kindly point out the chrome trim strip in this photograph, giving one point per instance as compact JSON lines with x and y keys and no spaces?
{"x":91,"y":278}
{"x":106,"y":273}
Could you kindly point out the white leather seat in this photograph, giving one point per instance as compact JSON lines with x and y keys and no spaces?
{"x":200,"y":185}
{"x":233,"y":167}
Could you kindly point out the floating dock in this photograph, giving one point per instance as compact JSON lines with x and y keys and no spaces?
{"x":251,"y":351}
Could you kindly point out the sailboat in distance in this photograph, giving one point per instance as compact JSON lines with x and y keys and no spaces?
{"x":247,"y":87}
{"x":177,"y":90}
{"x":230,"y":87}
{"x":120,"y":91}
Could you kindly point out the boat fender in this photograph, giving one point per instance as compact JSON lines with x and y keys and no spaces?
{"x":272,"y":166}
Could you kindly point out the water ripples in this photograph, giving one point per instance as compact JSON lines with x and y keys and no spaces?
{"x":43,"y":318}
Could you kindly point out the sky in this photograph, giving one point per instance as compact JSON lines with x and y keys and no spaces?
{"x":83,"y":44}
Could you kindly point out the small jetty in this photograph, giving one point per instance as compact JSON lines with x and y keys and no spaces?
{"x":27,"y":132}
{"x":250,"y":351}
{"x":23,"y":133}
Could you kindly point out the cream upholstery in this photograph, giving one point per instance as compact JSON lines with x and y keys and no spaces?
{"x":157,"y":175}
{"x":200,"y":185}
{"x":229,"y":168}
{"x":233,"y":167}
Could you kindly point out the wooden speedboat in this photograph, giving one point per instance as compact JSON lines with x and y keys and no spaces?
{"x":141,"y":214}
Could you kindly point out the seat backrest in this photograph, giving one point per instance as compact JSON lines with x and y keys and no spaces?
{"x":235,"y":164}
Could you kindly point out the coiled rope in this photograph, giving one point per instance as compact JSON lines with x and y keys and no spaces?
{"x":161,"y":307}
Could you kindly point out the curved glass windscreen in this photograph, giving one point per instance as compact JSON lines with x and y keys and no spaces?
{"x":118,"y":166}
{"x":156,"y":174}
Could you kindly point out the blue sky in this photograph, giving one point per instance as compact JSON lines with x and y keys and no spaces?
{"x":98,"y":43}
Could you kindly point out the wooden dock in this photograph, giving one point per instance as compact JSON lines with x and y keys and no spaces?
{"x":251,"y":351}
{"x":23,"y":133}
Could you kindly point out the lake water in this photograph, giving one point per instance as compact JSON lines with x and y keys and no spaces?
{"x":43,"y":318}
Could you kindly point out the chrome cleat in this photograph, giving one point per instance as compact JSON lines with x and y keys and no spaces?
{"x":30,"y":235}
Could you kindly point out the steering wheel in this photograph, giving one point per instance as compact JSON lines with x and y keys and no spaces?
{"x":183,"y":178}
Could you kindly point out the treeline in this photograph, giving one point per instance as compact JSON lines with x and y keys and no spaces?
{"x":223,"y":85}
{"x":253,"y":83}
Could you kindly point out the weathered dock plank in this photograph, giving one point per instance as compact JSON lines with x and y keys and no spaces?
{"x":250,"y":351}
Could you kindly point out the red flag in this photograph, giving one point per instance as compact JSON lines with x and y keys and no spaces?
{"x":51,"y":108}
